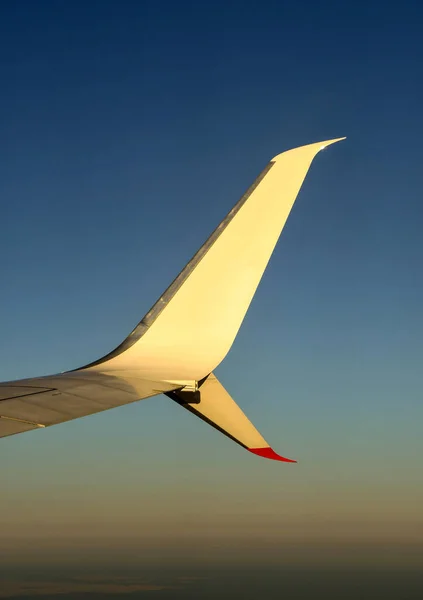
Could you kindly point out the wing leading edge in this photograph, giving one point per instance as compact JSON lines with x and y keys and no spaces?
{"x":187,"y":332}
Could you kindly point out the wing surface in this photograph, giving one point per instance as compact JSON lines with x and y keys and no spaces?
{"x":36,"y":403}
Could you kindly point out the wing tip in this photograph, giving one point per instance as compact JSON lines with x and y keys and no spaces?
{"x":270,"y":453}
{"x":316,"y":147}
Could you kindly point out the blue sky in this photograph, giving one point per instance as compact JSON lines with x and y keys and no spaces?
{"x":128,"y":130}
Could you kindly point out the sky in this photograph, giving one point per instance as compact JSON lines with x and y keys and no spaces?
{"x":128,"y":130}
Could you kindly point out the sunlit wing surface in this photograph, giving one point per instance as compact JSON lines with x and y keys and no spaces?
{"x":189,"y":330}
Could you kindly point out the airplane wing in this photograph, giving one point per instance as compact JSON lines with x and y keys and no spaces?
{"x":189,"y":330}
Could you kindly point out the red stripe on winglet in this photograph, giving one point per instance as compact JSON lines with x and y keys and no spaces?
{"x":269,"y":453}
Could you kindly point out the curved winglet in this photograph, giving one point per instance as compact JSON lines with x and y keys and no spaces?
{"x":191,"y":328}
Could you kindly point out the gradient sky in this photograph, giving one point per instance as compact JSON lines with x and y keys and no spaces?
{"x":128,"y":130}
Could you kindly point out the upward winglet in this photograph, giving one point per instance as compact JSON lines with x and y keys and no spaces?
{"x":192,"y":326}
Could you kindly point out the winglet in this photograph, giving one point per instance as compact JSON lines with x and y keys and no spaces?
{"x":219,"y":409}
{"x":191,"y":328}
{"x":269,"y":453}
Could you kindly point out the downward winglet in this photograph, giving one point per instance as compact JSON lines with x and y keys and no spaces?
{"x":216,"y":407}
